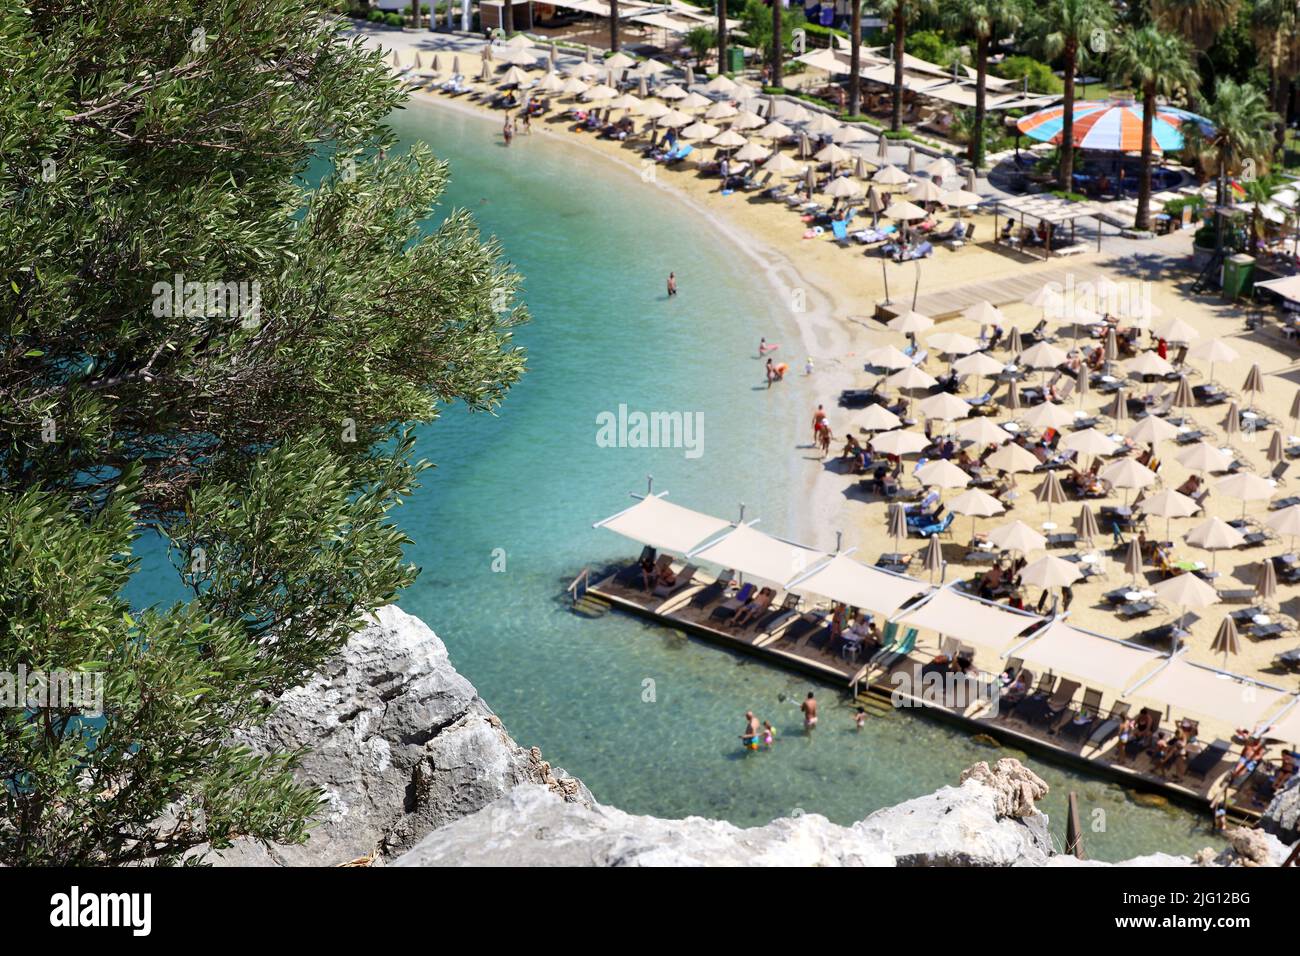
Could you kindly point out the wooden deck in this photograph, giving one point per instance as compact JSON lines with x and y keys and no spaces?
{"x":1007,"y":290}
{"x":808,"y":653}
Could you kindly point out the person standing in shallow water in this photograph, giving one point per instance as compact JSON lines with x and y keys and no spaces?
{"x":809,"y":708}
{"x":508,"y":130}
{"x":672,"y":284}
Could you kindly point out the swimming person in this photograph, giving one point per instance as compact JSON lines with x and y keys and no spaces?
{"x":860,"y":718}
{"x":672,"y":284}
{"x":809,"y":708}
{"x":764,"y":347}
{"x":769,"y":734}
{"x":749,"y":739}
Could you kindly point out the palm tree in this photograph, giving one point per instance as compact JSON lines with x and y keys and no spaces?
{"x":1275,"y":30}
{"x":778,"y":50}
{"x":1064,"y":28}
{"x":1200,"y":21}
{"x":981,"y":19}
{"x":508,"y":17}
{"x":855,"y":56}
{"x":1157,"y":64}
{"x":900,"y":12}
{"x":1243,"y":131}
{"x":722,"y":36}
{"x":613,"y":25}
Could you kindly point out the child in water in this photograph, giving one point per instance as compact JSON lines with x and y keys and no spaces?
{"x":860,"y":718}
{"x":769,"y":734}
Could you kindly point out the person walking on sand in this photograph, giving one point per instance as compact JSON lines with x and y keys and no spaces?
{"x":528,"y":122}
{"x":824,"y":438}
{"x":672,"y":284}
{"x":809,"y":708}
{"x":819,"y":416}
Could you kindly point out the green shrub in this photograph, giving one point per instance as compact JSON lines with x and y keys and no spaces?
{"x":375,"y":16}
{"x":393,"y":19}
{"x":899,"y":134}
{"x":933,"y":46}
{"x":1040,"y":75}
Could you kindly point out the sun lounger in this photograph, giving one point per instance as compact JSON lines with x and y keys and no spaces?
{"x":888,"y":657}
{"x":940,"y":528}
{"x":1110,"y":726}
{"x":776,"y":617}
{"x":1078,"y":727}
{"x":678,"y":154}
{"x":683,"y":578}
{"x":1059,"y":701}
{"x":729,"y":607}
{"x":630,"y":576}
{"x":870,"y":236}
{"x":714,"y":591}
{"x":805,"y":625}
{"x":1208,"y":759}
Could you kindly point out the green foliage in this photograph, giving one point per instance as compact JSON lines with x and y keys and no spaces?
{"x":1041,"y":77}
{"x":701,"y":41}
{"x":266,"y":448}
{"x":934,"y":47}
{"x":757,"y":20}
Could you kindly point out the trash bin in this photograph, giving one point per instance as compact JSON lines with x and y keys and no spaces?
{"x":1238,"y":275}
{"x":735,"y":59}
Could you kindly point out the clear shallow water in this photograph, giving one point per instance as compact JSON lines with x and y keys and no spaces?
{"x":595,"y":246}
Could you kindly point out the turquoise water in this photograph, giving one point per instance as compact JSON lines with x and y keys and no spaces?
{"x":648,"y":718}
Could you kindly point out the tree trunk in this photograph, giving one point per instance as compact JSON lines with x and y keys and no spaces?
{"x":1220,"y":182}
{"x":415,"y":14}
{"x":981,"y":108}
{"x":900,"y":34}
{"x":1143,"y":219}
{"x":1281,"y":87}
{"x":855,"y":59}
{"x":778,"y":48}
{"x":722,"y":36}
{"x":508,"y":17}
{"x":613,"y":25}
{"x":1066,"y":174}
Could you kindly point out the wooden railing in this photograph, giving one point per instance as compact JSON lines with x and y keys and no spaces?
{"x":578,"y":587}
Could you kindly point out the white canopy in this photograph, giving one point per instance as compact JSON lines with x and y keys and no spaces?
{"x":1088,"y":658}
{"x":664,"y":525}
{"x":1288,"y":727}
{"x":852,"y":582}
{"x":987,"y":627}
{"x":761,"y":555}
{"x":1184,"y":686}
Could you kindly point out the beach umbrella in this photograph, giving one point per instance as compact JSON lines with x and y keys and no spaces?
{"x":574,"y":86}
{"x":1169,"y":504}
{"x":671,"y":92}
{"x":1048,"y":415}
{"x":1187,"y":592}
{"x":878,"y":418}
{"x":887,"y":357}
{"x":941,"y":168}
{"x":942,"y":474}
{"x":1225,"y":640}
{"x":976,"y":363}
{"x":1050,"y":298}
{"x":1214,"y":350}
{"x":1148,"y":363}
{"x":860,"y":167}
{"x":792,"y":112}
{"x":1043,"y":355}
{"x":642,"y":87}
{"x":729,"y":139}
{"x":845,"y":135}
{"x":1232,"y":423}
{"x":627,"y":102}
{"x":455,"y":65}
{"x":910,"y":322}
{"x":830,"y":153}
{"x":842,"y":187}
{"x":516,"y":57}
{"x":1183,"y":397}
{"x":720,"y":111}
{"x":1177,"y":330}
{"x":1086,"y":525}
{"x":693,"y":101}
{"x":1152,"y":429}
{"x":932,"y":560}
{"x":486,"y":54}
{"x":822,"y":123}
{"x":944,"y":406}
{"x":1050,"y":493}
{"x":1083,"y":384}
{"x":721,"y":84}
{"x":690,"y":76}
{"x":1133,"y":559}
{"x":747,"y":120}
{"x":599,"y":92}
{"x":970,"y":181}
{"x":1266,"y":581}
{"x":875,"y":202}
{"x":911,"y":159}
{"x":960,"y":199}
{"x":1017,"y":536}
{"x":1276,"y":453}
{"x":1202,"y":457}
{"x":1254,"y":383}
{"x":753,"y":153}
{"x":1012,"y":458}
{"x":905,"y":212}
{"x":675,"y":118}
{"x":981,"y":431}
{"x":550,"y":83}
{"x":655,"y":109}
{"x":911,"y":377}
{"x":1014,"y":344}
{"x":783,"y":165}
{"x":924,"y":190}
{"x":435,"y":67}
{"x":1127,"y":473}
{"x":1215,"y":535}
{"x":1285,"y":521}
{"x":774,"y":130}
{"x":899,"y":442}
{"x":519,"y":41}
{"x":1111,"y":345}
{"x":1013,"y":397}
{"x":699,"y":130}
{"x":619,"y":61}
{"x":1089,"y":441}
{"x":652,"y":67}
{"x":589,"y":55}
{"x":977,"y":504}
{"x":805,"y":146}
{"x":514,"y":77}
{"x":897,"y":523}
{"x":485,"y":75}
{"x":585,"y":71}
{"x":954,"y":343}
{"x":1050,"y":572}
{"x":1295,"y":410}
{"x":1246,"y":486}
{"x":1119,"y":408}
{"x":890,"y":176}
{"x":1113,"y":126}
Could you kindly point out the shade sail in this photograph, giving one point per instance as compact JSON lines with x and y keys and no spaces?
{"x":1088,"y":658}
{"x":664,"y":525}
{"x":1183,"y":686}
{"x":1287,"y":728}
{"x":760,"y":555}
{"x":852,"y":582}
{"x":986,"y":627}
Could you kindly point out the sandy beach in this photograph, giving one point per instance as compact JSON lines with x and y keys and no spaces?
{"x":840,"y":289}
